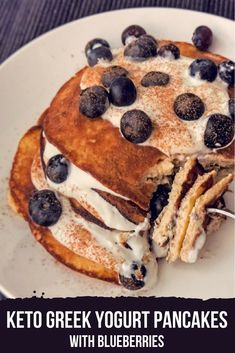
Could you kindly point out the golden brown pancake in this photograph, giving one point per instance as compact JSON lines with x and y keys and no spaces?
{"x":21,"y":188}
{"x":120,"y":165}
{"x":202,"y":183}
{"x":77,"y":246}
{"x":169,"y":131}
{"x":165,"y":223}
{"x":197,"y":229}
{"x":98,"y":148}
{"x":127,"y":208}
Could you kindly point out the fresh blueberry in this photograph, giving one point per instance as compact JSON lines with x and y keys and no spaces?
{"x":169,"y":51}
{"x":93,"y":101}
{"x":231,"y":107}
{"x":219,"y":131}
{"x":132,"y":31}
{"x":155,"y":78}
{"x":136,"y":279}
{"x":111,"y":73}
{"x":188,"y":106}
{"x":227,"y":71}
{"x":142,"y":48}
{"x":96,"y":43}
{"x":44,"y":208}
{"x":205,"y":69}
{"x":57,"y":169}
{"x":99,"y":53}
{"x":159,"y":200}
{"x":149,"y":37}
{"x":136,"y":126}
{"x":202,"y":37}
{"x":122,"y":92}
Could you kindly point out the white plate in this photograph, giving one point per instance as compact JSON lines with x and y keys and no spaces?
{"x":28,"y":81}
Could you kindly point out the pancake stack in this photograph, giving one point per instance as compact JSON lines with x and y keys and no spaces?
{"x":181,"y":228}
{"x":87,"y":177}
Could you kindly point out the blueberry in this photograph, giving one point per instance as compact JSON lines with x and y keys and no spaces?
{"x":159,"y":200}
{"x":142,"y":48}
{"x":136,"y":126}
{"x":44,"y":208}
{"x":204,"y":68}
{"x":132,"y":31}
{"x":219,"y":131}
{"x":227,"y":71}
{"x":202,"y":37}
{"x":135,"y":280}
{"x":93,"y":101}
{"x":149,"y":37}
{"x":122,"y":92}
{"x":188,"y":106}
{"x":99,"y":53}
{"x":111,"y":73}
{"x":57,"y":169}
{"x":231,"y":107}
{"x":155,"y":78}
{"x":169,"y":51}
{"x":95,"y":43}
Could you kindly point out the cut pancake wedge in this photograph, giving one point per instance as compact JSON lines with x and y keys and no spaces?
{"x":164,"y":227}
{"x":77,"y":239}
{"x":202,"y":183}
{"x":196,"y":233}
{"x":94,"y":201}
{"x":21,"y":188}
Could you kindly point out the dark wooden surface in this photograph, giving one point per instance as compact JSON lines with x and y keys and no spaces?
{"x":23,"y":20}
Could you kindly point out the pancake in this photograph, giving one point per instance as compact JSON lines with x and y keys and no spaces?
{"x":21,"y":188}
{"x":171,"y":135}
{"x":99,"y":140}
{"x":72,"y":240}
{"x":105,"y":223}
{"x":127,"y":208}
{"x":202,"y":183}
{"x":197,"y":229}
{"x":92,"y":200}
{"x":165,"y":223}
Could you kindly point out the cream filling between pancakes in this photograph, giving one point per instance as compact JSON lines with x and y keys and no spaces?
{"x":188,"y":136}
{"x":79,"y":185}
{"x":66,"y":233}
{"x":111,"y":240}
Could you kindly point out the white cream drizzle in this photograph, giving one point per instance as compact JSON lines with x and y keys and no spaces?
{"x":108,"y":239}
{"x":192,"y":255}
{"x":136,"y":237}
{"x":79,"y":185}
{"x":111,"y":240}
{"x":195,"y":128}
{"x":86,"y":180}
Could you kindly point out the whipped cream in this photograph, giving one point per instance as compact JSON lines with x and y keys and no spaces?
{"x":188,"y":136}
{"x":111,"y":240}
{"x":79,"y":185}
{"x":69,"y":226}
{"x":192,"y":254}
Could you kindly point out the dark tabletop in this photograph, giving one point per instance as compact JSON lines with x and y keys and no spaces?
{"x":23,"y":20}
